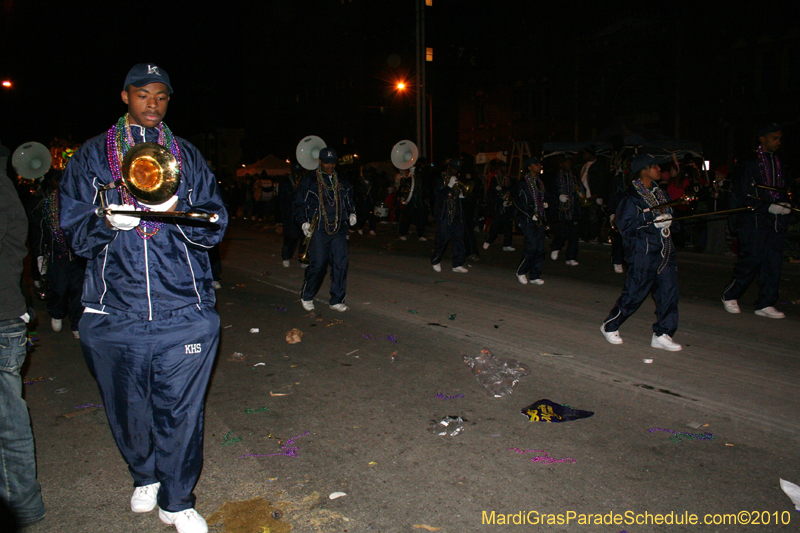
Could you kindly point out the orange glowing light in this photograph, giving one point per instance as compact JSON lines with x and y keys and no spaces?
{"x":401,"y":86}
{"x":6,"y":84}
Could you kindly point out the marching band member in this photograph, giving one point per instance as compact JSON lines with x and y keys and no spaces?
{"x":414,"y":209}
{"x":501,"y":189}
{"x":287,"y":190}
{"x":569,"y":195}
{"x":652,"y":267}
{"x":322,"y":193}
{"x":149,"y":330}
{"x":762,"y":231}
{"x":531,"y":205}
{"x":449,"y":217}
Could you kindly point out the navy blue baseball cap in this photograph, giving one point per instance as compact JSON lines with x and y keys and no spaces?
{"x":328,"y":155}
{"x":643,"y":161}
{"x":145,"y":74}
{"x":455,"y":163}
{"x":531,"y":161}
{"x":766,"y":129}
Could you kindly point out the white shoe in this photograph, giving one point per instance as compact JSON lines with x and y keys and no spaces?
{"x":460,"y":270}
{"x":144,"y":498}
{"x":403,"y":238}
{"x":437,"y":267}
{"x":217,"y":285}
{"x":486,"y":246}
{"x":665,"y":342}
{"x":770,"y":312}
{"x":56,"y":323}
{"x":340,"y":307}
{"x":618,"y":269}
{"x":522,"y":279}
{"x":537,"y":281}
{"x":572,"y":263}
{"x":554,"y":255}
{"x":286,"y":263}
{"x":611,"y":336}
{"x":732,"y":306}
{"x":308,"y":305}
{"x":509,"y":249}
{"x":76,"y":334}
{"x":372,"y":232}
{"x":361,"y":232}
{"x":186,"y":521}
{"x":423,"y":239}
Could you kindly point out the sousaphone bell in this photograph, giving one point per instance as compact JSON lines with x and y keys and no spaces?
{"x":31,"y":160}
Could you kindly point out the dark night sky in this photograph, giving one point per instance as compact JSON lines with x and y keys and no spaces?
{"x":246,"y":64}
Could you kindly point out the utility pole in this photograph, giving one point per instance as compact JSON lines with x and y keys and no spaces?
{"x":422,"y":89}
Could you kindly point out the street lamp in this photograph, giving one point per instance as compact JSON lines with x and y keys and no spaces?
{"x":7,"y":84}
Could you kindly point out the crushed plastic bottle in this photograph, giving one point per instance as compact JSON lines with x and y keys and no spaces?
{"x":497,"y":376}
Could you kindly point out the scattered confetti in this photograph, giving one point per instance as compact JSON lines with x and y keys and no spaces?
{"x":390,"y":338}
{"x":542,"y":457}
{"x":445,"y":397}
{"x":288,"y":451}
{"x":261,"y":410}
{"x":31,"y":382}
{"x":679,"y":436}
{"x":281,"y":309}
{"x":84,"y":406}
{"x":228,"y":441}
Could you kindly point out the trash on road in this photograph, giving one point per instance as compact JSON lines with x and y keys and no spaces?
{"x":227,"y":440}
{"x":449,"y":425}
{"x":678,"y":436}
{"x":792,"y":491}
{"x":237,"y":357}
{"x":547,"y":411}
{"x":274,"y":394}
{"x":497,"y":376}
{"x":287,"y":449}
{"x":445,"y":397}
{"x":542,"y":457}
{"x":281,"y":309}
{"x":647,"y":361}
{"x":61,"y":391}
{"x":452,"y":317}
{"x":294,"y":336}
{"x":259,"y":364}
{"x":393,"y":357}
{"x":254,"y":330}
{"x":426,"y":526}
{"x":260,"y":410}
{"x":334,"y":495}
{"x":333,"y":322}
{"x":31,"y":382}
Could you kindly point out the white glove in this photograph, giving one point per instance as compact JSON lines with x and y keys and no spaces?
{"x":599,"y":201}
{"x":545,"y":205}
{"x":123,"y":222}
{"x":353,"y":219}
{"x":563,"y":198}
{"x":499,"y":188}
{"x":163,"y":207}
{"x":453,"y":181}
{"x":506,"y":203}
{"x":779,"y":209}
{"x":663,"y":221}
{"x":306,"y":229}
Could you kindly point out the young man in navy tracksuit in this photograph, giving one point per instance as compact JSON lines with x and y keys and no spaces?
{"x":149,"y":331}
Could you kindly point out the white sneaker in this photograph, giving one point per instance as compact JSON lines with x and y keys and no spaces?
{"x":611,"y":336}
{"x":618,"y":269}
{"x":537,"y":281}
{"x":486,"y":246}
{"x":286,"y":263}
{"x":56,"y":323}
{"x":665,"y":342}
{"x":186,"y":521}
{"x":732,"y":306}
{"x":522,"y":279}
{"x":403,"y":238}
{"x":554,"y":255}
{"x":372,"y":232}
{"x":770,"y":312}
{"x":340,"y":307}
{"x":460,"y":270}
{"x":423,"y":239}
{"x":217,"y":285}
{"x":437,"y":267}
{"x":509,"y":249}
{"x":308,"y":305}
{"x":76,"y":334}
{"x":572,"y":263}
{"x":144,"y":498}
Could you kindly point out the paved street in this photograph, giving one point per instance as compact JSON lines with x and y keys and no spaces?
{"x":349,"y":408}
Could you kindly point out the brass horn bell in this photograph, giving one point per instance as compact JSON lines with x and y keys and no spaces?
{"x":151,"y":173}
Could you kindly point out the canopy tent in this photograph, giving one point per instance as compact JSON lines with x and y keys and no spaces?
{"x":270,"y":164}
{"x":634,"y":137}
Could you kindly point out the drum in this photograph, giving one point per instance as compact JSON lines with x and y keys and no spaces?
{"x":381,"y":210}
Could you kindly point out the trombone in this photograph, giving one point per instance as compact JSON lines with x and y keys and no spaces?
{"x":307,"y":242}
{"x":151,"y":174}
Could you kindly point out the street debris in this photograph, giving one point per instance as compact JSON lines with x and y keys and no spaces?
{"x":31,"y":382}
{"x":281,"y":309}
{"x":61,"y":391}
{"x":393,"y":357}
{"x":792,"y":491}
{"x":294,"y":336}
{"x":334,"y":495}
{"x":261,"y":410}
{"x":452,"y":317}
{"x":273,"y":394}
{"x":237,"y":357}
{"x":426,"y":526}
{"x":227,"y":440}
{"x":497,"y":376}
{"x":679,"y":436}
{"x":259,"y":364}
{"x":548,"y":411}
{"x":390,"y":338}
{"x":542,"y":457}
{"x":254,"y":330}
{"x":445,"y":397}
{"x":413,"y":312}
{"x":449,"y":425}
{"x":333,"y":322}
{"x":287,"y":450}
{"x":351,"y":353}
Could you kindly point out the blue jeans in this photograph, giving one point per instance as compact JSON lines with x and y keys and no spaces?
{"x":18,"y":485}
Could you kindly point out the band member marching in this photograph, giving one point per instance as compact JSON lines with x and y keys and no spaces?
{"x":414,"y":205}
{"x":530,"y":207}
{"x":501,"y":189}
{"x":449,"y":217}
{"x":650,"y":253}
{"x":569,"y":195}
{"x":287,"y":190}
{"x":321,"y":193}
